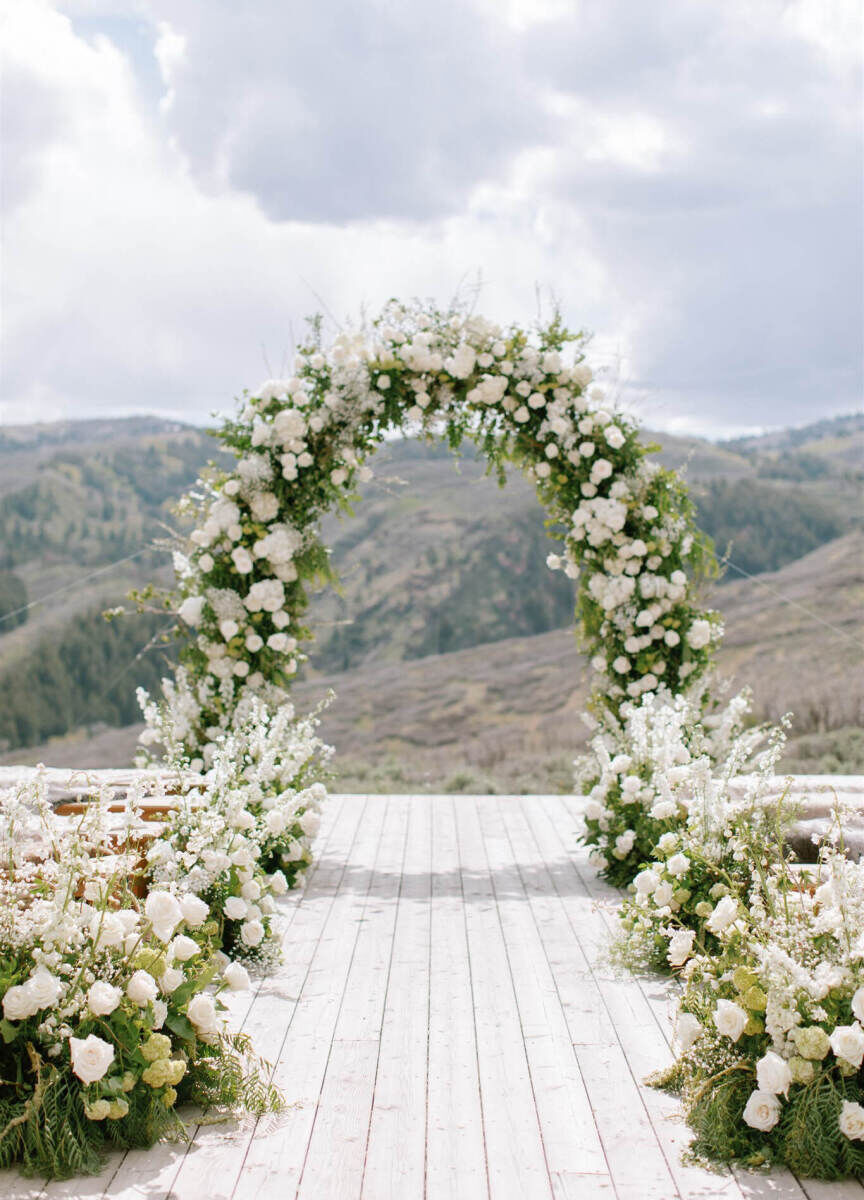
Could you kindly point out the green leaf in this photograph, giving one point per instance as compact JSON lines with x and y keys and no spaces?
{"x":181,"y":1025}
{"x":8,"y":1031}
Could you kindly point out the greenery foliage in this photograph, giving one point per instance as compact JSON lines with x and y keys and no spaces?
{"x":763,"y":526}
{"x":13,"y":598}
{"x":88,"y":675}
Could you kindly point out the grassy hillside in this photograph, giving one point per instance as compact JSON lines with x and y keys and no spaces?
{"x":506,"y":716}
{"x":439,"y":559}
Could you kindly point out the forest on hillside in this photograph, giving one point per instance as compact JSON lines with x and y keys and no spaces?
{"x":437,"y":559}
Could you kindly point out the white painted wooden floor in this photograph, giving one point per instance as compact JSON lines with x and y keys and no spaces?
{"x":445,"y":1025}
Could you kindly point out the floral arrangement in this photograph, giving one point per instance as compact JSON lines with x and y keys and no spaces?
{"x":241,"y":833}
{"x":770,"y":1024}
{"x":647,"y":764}
{"x":690,"y":890}
{"x":110,"y":1003}
{"x":301,"y":444}
{"x":770,"y":952}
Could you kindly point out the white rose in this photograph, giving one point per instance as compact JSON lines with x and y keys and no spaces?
{"x":680,"y":947}
{"x":847,"y":1042}
{"x":265,"y":506}
{"x":663,"y":894}
{"x":773,"y":1074}
{"x":762,"y":1111}
{"x":191,"y":610}
{"x":852,"y":1120}
{"x":278,"y":883}
{"x":678,"y":864}
{"x":201,"y":1011}
{"x":91,"y":1057}
{"x":699,"y":634}
{"x":44,"y":988}
{"x":160,"y":1012}
{"x":103,"y":998}
{"x":251,"y":933}
{"x":275,"y":821}
{"x":646,"y":881}
{"x":128,"y":918}
{"x":184,"y":947}
{"x":251,"y":890}
{"x":141,"y":988}
{"x":170,"y":979}
{"x":107,"y":930}
{"x":236,"y":976}
{"x":310,"y":823}
{"x":235,"y":908}
{"x":858,"y":1004}
{"x":688,"y":1029}
{"x":730,"y":1019}
{"x":194,"y":911}
{"x":164,"y":913}
{"x":18,"y":1003}
{"x":723,"y":915}
{"x":242,"y":560}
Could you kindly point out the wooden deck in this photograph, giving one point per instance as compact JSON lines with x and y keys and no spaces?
{"x":446,"y":1025}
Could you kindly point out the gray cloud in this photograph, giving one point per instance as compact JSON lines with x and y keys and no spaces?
{"x":335,"y":112}
{"x":686,"y":179}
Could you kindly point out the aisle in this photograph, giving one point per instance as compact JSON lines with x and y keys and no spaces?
{"x":446,"y":1025}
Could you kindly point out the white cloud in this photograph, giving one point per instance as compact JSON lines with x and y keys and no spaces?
{"x":689,"y":195}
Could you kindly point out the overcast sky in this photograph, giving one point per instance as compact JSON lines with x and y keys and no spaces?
{"x":184,"y":180}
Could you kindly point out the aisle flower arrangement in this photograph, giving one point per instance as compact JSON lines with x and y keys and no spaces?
{"x":241,"y":832}
{"x":692,"y":885}
{"x":771,"y":1024}
{"x":110,"y":1003}
{"x":770,"y":952}
{"x":648,"y":762}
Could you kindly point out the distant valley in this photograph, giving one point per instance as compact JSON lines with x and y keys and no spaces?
{"x":449,"y":643}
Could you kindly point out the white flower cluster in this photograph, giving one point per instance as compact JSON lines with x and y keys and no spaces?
{"x":647,"y":765}
{"x":243,"y":830}
{"x":786,"y":990}
{"x":300,"y":442}
{"x":771,"y":952}
{"x":89,"y":973}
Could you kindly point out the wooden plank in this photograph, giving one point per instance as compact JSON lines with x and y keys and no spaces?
{"x":456,"y":1152}
{"x":337,"y":1145}
{"x":569,"y":1131}
{"x":642,"y":1144}
{"x":396,"y":1150}
{"x":819,"y":1189}
{"x":276,"y":1154}
{"x":515,"y":1156}
{"x":644,"y":1045}
{"x":217,"y":1154}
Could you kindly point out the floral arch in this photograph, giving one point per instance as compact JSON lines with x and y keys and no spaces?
{"x":525,"y":397}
